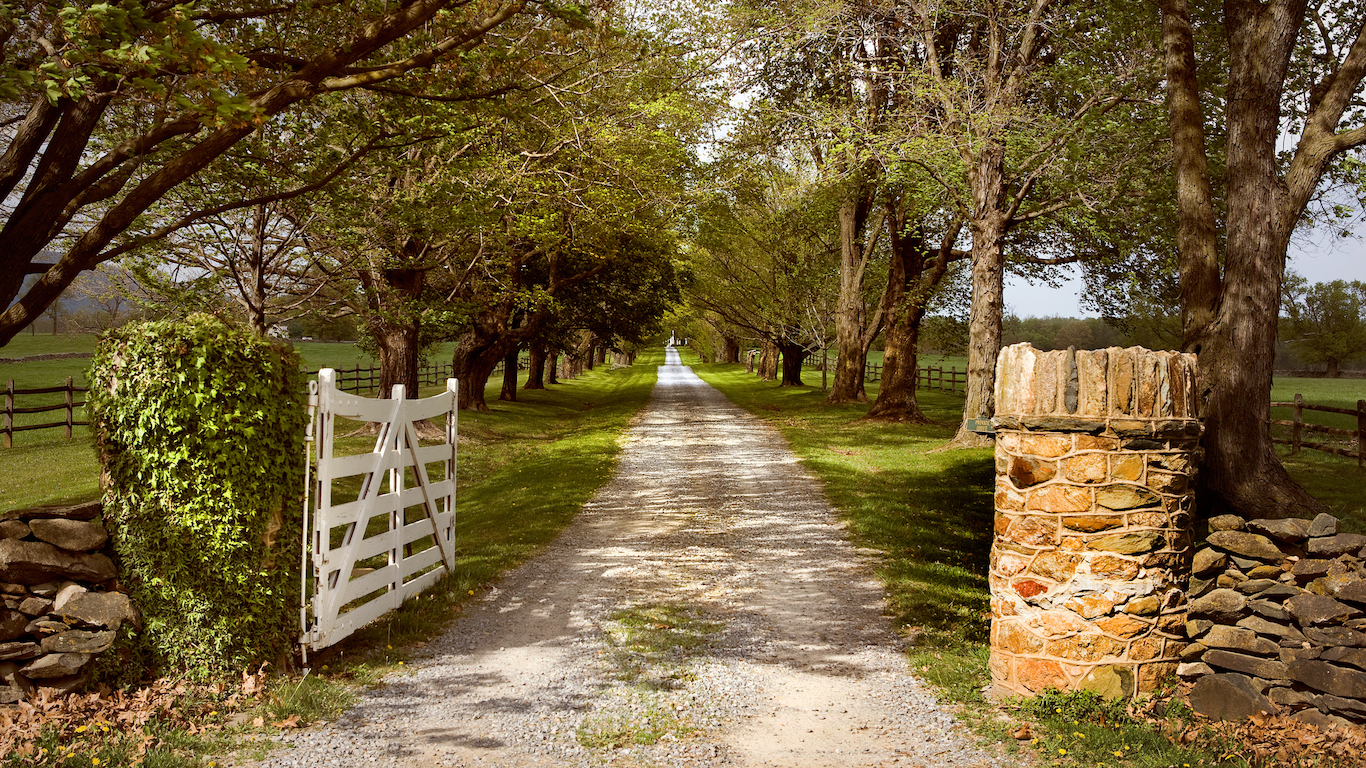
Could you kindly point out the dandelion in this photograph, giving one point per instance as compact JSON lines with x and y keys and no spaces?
{"x":1062,"y":751}
{"x":80,"y":729}
{"x":1079,"y":734}
{"x":1121,"y":754}
{"x":94,"y":761}
{"x":471,"y":591}
{"x":400,"y":663}
{"x":391,"y":647}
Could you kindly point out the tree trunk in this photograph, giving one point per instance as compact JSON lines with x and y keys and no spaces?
{"x":793,"y":355}
{"x":535,"y":366}
{"x":395,"y":329}
{"x":851,"y":316}
{"x":398,"y":356}
{"x":476,"y":355}
{"x":552,"y":369}
{"x":730,"y":350}
{"x":509,"y":391}
{"x":1230,"y":321}
{"x":602,"y":355}
{"x":904,"y":309}
{"x":768,"y":360}
{"x":1333,"y":372}
{"x":988,"y":224}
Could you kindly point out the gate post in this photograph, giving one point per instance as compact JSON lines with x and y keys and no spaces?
{"x":1094,"y":500}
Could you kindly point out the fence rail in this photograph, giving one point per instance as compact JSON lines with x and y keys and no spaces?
{"x":1298,"y":426}
{"x":69,"y":405}
{"x":358,"y":379}
{"x":365,"y":378}
{"x":926,"y":377}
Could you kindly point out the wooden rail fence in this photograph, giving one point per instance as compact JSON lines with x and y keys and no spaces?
{"x":356,"y":380}
{"x":926,"y":377}
{"x":1298,"y":427}
{"x":69,"y":405}
{"x":365,"y":378}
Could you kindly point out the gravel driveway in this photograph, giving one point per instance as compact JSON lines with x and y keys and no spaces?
{"x":705,"y":609}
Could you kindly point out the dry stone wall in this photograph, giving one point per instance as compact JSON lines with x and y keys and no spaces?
{"x":57,"y":608}
{"x":1094,"y":468}
{"x":1277,"y":620}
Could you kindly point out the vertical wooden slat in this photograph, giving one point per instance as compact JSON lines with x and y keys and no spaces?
{"x":9,"y":414}
{"x":68,"y":407}
{"x":1299,"y":420}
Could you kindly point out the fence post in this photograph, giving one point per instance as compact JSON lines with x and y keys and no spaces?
{"x":1361,"y":434}
{"x":69,"y":400}
{"x":9,"y":414}
{"x":1295,"y":430}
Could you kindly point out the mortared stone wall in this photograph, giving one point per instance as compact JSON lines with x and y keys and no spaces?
{"x":1095,"y":458}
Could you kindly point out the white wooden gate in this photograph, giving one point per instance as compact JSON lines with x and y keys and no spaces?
{"x":380,"y":529}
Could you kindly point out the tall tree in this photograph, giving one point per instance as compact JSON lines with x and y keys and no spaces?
{"x":1279,"y":67}
{"x":1020,"y":115}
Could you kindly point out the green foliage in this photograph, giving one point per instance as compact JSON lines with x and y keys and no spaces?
{"x":1326,"y":320}
{"x":200,"y":429}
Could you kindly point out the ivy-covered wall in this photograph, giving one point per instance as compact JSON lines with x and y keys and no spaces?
{"x":200,"y":428}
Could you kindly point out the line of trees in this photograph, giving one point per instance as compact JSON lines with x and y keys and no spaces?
{"x":521,"y":174}
{"x":507,"y":175}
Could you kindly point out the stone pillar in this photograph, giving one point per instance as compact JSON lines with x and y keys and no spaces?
{"x":1095,"y":454}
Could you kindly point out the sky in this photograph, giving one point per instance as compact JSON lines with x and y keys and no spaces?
{"x":1318,"y":256}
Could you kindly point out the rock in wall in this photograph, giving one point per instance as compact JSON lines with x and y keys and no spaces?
{"x":58,"y":610}
{"x":1277,"y":620}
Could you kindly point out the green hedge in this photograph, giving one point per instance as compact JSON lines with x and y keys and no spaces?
{"x":200,"y":429}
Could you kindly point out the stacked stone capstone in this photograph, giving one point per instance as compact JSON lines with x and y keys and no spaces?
{"x":56,"y":612}
{"x":1277,"y":621}
{"x":1094,"y":470}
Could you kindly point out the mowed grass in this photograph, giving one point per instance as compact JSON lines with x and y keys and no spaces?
{"x":1335,"y":480}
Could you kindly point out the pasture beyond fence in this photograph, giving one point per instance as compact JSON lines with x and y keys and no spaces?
{"x":933,"y":377}
{"x":1298,"y":426}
